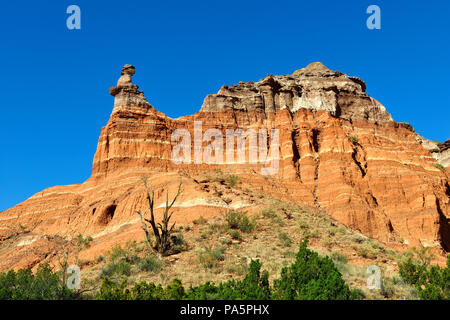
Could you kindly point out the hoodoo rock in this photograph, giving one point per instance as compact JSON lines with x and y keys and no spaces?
{"x":339,"y":151}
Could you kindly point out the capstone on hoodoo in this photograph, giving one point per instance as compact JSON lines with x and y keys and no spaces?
{"x":127,"y":93}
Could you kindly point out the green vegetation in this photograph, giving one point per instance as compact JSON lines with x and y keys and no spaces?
{"x":150,"y":264}
{"x":407,"y":126}
{"x":209,"y":258}
{"x":440,"y":167}
{"x":339,"y":257}
{"x":431,"y":282}
{"x":309,"y":277}
{"x":353,"y":139}
{"x":312,"y":277}
{"x":120,"y":261}
{"x":82,"y":242}
{"x":233,"y":180}
{"x":200,"y":220}
{"x":43,"y":285}
{"x":239,"y":220}
{"x":235,"y":234}
{"x":285,"y":240}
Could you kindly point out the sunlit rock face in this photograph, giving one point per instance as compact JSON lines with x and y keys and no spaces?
{"x":314,"y":88}
{"x":340,"y":152}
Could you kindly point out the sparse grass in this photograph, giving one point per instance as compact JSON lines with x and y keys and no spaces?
{"x":284,"y":238}
{"x":268,"y":213}
{"x":366,"y":252}
{"x":239,"y":267}
{"x":303,"y":225}
{"x":311,"y":234}
{"x":209,"y":258}
{"x":339,"y":257}
{"x":18,"y":228}
{"x":200,"y":221}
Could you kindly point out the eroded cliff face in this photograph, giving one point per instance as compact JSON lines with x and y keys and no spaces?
{"x":313,"y":88}
{"x":340,"y":152}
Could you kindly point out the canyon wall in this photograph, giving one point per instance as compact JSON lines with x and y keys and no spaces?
{"x":340,"y":152}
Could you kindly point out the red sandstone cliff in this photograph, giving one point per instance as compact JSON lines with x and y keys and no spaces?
{"x":340,"y":151}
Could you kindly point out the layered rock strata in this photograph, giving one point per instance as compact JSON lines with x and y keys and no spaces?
{"x":339,"y":151}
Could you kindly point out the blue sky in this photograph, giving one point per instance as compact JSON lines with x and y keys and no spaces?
{"x":54,"y":83}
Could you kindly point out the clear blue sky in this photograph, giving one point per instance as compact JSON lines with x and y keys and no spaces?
{"x":54,"y":82}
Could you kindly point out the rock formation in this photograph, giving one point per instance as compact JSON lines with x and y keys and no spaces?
{"x":340,"y":152}
{"x":314,"y":88}
{"x":440,"y":151}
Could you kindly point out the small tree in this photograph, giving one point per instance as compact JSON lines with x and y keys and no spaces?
{"x":161,"y":231}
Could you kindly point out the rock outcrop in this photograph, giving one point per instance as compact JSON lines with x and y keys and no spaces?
{"x":440,"y":151}
{"x":340,"y":152}
{"x":313,"y":88}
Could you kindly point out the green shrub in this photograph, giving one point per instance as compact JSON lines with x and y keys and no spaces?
{"x":268,"y":213}
{"x":431,"y":282}
{"x":119,"y":260}
{"x":233,"y":180}
{"x":209,"y":258}
{"x":43,"y":285}
{"x":407,"y":126}
{"x":178,"y":243}
{"x":200,"y":220}
{"x":235,"y":234}
{"x":122,"y":268}
{"x":238,"y":220}
{"x":254,"y":286}
{"x":312,"y":277}
{"x":285,"y":240}
{"x":110,"y":290}
{"x":309,"y":277}
{"x":439,"y":166}
{"x":150,"y":264}
{"x":353,"y":139}
{"x":83,"y":242}
{"x":303,"y":225}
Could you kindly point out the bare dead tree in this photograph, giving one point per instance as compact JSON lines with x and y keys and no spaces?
{"x":161,"y":231}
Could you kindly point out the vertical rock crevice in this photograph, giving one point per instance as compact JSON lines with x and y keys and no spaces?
{"x":444,"y":228}
{"x":315,"y":144}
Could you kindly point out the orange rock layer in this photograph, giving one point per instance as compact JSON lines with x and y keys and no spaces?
{"x":367,"y":172}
